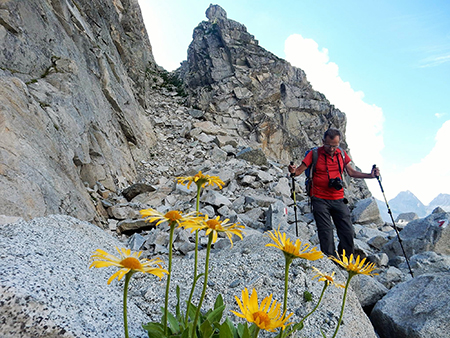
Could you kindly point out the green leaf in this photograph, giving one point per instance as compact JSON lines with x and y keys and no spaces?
{"x":219,"y":301}
{"x":173,"y":322}
{"x":298,"y":326}
{"x":216,"y":315}
{"x":154,"y":330}
{"x":307,"y":296}
{"x":232,"y":327}
{"x":185,"y":333}
{"x":225,"y":331}
{"x":206,"y":329}
{"x":192,"y":311}
{"x":243,"y":330}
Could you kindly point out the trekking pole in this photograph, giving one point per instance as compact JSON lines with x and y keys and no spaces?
{"x":295,"y":201}
{"x":392,"y":218}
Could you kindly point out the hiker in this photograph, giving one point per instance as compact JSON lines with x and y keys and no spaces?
{"x":327,"y":193}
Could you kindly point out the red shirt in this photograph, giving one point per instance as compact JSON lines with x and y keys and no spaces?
{"x":320,"y":186}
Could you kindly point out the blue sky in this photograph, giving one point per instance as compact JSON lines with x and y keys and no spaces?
{"x":386,"y":64}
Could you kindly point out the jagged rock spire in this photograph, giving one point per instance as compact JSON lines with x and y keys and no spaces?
{"x":215,"y":12}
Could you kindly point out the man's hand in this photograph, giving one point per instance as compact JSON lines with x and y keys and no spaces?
{"x":375,"y":172}
{"x":291,"y":168}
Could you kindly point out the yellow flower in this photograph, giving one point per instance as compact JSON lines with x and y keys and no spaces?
{"x":215,"y":226}
{"x":267,"y":317}
{"x":357,"y":267}
{"x":293,"y":250}
{"x":126,"y":262}
{"x":329,"y":279}
{"x":201,"y":180}
{"x":172,"y":217}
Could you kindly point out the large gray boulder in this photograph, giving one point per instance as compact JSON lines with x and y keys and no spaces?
{"x":426,"y":234}
{"x":366,"y":212}
{"x":72,"y":96}
{"x":418,"y":308}
{"x":47,"y":289}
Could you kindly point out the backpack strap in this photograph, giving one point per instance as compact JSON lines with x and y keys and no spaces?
{"x":345,"y":178}
{"x":315,"y":156}
{"x":343,"y":158}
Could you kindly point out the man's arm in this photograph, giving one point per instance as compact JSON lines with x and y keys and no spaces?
{"x":356,"y":174}
{"x":297,"y":170}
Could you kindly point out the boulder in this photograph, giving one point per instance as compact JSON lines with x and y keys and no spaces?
{"x":426,"y":234}
{"x":276,"y":216}
{"x":136,"y":189}
{"x":47,"y":289}
{"x":418,"y":308}
{"x":406,"y":217}
{"x":366,"y":212}
{"x":255,"y":156}
{"x":428,"y":262}
{"x":368,"y":290}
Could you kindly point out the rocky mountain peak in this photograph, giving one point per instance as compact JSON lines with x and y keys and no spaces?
{"x":215,"y":12}
{"x":252,"y":92}
{"x":253,"y":95}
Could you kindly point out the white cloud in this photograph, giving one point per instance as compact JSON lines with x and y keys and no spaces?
{"x":439,"y":115}
{"x":364,"y":121}
{"x":434,"y":61}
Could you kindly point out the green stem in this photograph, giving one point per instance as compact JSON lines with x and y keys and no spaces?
{"x":194,"y":282}
{"x":288,"y":261}
{"x":125,"y":294}
{"x":166,"y":303}
{"x":257,"y":329}
{"x":317,"y":305}
{"x":205,"y":284}
{"x":343,"y":304}
{"x":197,"y":205}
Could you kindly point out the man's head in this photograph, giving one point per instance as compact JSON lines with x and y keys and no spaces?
{"x":331,"y":140}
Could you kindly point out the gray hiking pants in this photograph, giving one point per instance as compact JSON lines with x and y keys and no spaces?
{"x":326,"y":210}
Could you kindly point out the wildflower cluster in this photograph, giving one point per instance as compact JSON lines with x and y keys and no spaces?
{"x":269,"y":315}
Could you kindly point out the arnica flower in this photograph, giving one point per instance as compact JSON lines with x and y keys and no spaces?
{"x":215,"y":226}
{"x":266,"y":316}
{"x":201,"y":180}
{"x":293,"y":250}
{"x":329,"y":279}
{"x":172,"y":217}
{"x":126,"y":262}
{"x":356,"y":267}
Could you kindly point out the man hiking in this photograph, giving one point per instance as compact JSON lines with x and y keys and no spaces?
{"x":327,"y":193}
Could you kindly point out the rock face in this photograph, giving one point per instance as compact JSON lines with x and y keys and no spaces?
{"x":72,"y":96}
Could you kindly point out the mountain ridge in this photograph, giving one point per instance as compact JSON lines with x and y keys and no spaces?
{"x":406,"y":201}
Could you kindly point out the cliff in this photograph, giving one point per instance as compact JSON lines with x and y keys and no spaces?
{"x":72,"y":96}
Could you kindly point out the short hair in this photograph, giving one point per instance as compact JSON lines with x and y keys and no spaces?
{"x":332,"y":133}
